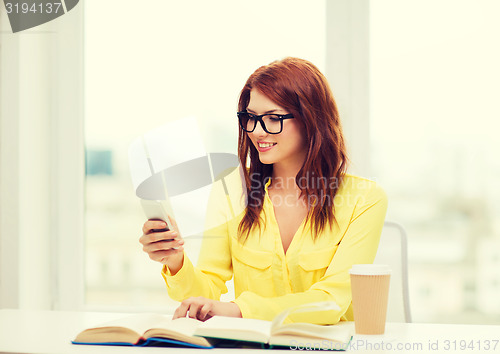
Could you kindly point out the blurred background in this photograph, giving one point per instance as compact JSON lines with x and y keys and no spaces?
{"x":417,"y":85}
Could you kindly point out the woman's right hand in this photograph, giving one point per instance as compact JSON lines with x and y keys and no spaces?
{"x":165,"y":247}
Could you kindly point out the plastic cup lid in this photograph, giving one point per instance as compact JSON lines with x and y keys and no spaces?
{"x":370,"y":269}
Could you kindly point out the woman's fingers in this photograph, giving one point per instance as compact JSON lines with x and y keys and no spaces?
{"x":182,"y":310}
{"x":202,"y":309}
{"x":204,"y":312}
{"x":159,"y":236}
{"x":195,"y":307}
{"x":152,"y":225}
{"x":152,"y":237}
{"x":162,"y":245}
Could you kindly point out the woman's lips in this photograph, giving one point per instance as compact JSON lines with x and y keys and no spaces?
{"x":265,"y":146}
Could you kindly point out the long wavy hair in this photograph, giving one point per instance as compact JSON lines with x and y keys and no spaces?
{"x":300,"y":88}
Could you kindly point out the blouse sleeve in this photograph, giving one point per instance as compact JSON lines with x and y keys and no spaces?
{"x":358,"y":245}
{"x":214,"y":266}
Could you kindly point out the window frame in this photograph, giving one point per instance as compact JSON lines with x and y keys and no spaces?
{"x":41,"y":124}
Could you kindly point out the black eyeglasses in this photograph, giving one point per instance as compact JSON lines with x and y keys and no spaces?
{"x":271,"y":123}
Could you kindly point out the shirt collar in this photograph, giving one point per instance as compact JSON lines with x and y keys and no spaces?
{"x":268,"y":183}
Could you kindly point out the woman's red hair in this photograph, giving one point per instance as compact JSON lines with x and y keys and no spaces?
{"x":300,"y":88}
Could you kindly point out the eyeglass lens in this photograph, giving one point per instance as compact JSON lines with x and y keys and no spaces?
{"x":272,"y":122}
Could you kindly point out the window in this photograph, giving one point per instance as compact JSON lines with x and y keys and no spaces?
{"x":434,"y":93}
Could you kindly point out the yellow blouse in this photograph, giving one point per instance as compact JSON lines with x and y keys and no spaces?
{"x":268,"y":281}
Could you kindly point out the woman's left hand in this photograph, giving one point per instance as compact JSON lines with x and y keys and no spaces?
{"x":202,"y":309}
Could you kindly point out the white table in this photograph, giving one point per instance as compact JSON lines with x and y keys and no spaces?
{"x":33,"y":332}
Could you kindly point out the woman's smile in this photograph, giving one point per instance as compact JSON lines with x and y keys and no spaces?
{"x":264,"y":146}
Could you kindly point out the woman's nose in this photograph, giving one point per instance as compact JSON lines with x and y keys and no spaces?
{"x":259,"y":130}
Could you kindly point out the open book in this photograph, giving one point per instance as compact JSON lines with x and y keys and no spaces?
{"x":144,"y":330}
{"x":152,"y":329}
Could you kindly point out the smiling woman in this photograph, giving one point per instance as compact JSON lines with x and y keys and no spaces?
{"x":281,"y":254}
{"x":299,"y":87}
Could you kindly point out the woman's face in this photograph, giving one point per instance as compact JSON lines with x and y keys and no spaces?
{"x":287,"y":149}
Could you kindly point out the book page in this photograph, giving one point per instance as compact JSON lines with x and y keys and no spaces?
{"x":138,"y":323}
{"x":340,"y":332}
{"x":244,"y":329}
{"x":132,"y":328}
{"x":309,"y":307}
{"x":145,"y":323}
{"x":181,"y":329}
{"x":184,"y":325}
{"x":127,"y":329}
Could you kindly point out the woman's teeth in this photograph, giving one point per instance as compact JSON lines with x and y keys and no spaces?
{"x":265,"y":145}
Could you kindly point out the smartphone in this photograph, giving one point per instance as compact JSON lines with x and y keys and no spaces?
{"x":157,"y":210}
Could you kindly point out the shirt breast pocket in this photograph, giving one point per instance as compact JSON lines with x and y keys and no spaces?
{"x":252,"y":270}
{"x":313,"y":265}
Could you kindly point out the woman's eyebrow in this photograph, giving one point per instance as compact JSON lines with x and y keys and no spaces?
{"x":267,"y":112}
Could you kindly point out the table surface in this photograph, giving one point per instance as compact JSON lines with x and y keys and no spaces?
{"x":26,"y":331}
